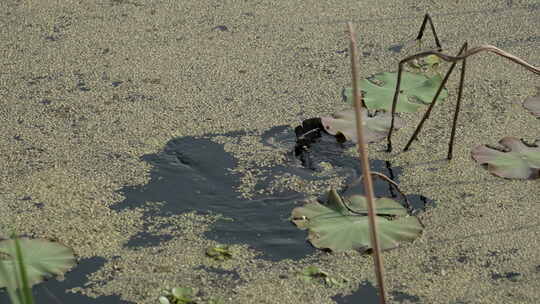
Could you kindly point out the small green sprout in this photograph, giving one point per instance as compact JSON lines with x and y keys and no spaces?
{"x":178,"y":295}
{"x":219,"y":252}
{"x":314,"y":274}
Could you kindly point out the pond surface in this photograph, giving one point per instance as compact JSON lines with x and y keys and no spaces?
{"x":55,"y":292}
{"x":194,"y":174}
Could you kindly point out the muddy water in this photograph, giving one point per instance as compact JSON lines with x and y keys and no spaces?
{"x":193,"y":174}
{"x":54,"y":292}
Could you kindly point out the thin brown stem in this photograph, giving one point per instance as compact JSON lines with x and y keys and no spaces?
{"x":394,"y":104}
{"x":430,"y":108}
{"x":453,"y":59}
{"x":458,"y":106}
{"x":473,"y":51}
{"x":364,"y":162}
{"x":427,"y":19}
{"x":394,"y":184}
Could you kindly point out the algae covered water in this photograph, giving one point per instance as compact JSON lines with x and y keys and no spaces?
{"x":194,"y":174}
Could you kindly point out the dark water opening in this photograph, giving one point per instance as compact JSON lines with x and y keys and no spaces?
{"x":193,"y":174}
{"x":53,"y":291}
{"x":368,"y":294}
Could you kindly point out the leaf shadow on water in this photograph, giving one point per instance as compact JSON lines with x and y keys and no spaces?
{"x":193,"y":174}
{"x":53,"y":291}
{"x":368,"y":294}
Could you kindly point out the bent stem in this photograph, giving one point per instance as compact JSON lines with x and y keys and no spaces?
{"x":427,"y":19}
{"x":452,"y":59}
{"x":364,"y":162}
{"x":393,"y":184}
{"x":428,"y":111}
{"x":458,"y":106}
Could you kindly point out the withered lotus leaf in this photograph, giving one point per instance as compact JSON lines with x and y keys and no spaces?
{"x":518,"y":160}
{"x":375,"y":128}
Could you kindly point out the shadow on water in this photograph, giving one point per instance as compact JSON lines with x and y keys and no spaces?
{"x":193,"y":174}
{"x":368,"y":294}
{"x":53,"y":291}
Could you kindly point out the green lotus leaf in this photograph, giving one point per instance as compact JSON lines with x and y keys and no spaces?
{"x":163,"y":300}
{"x":333,"y":226}
{"x":301,"y":215}
{"x":413,"y":86}
{"x":517,"y":161}
{"x":532,"y":103}
{"x":383,"y":206}
{"x":375,"y":128}
{"x":183,"y":294}
{"x":41,"y":258}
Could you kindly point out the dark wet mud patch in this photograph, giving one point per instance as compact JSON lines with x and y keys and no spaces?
{"x":193,"y":174}
{"x":196,"y":174}
{"x":396,"y":48}
{"x":403,"y":297}
{"x":510,"y":276}
{"x":54,"y":291}
{"x":368,"y":294}
{"x":147,"y":239}
{"x":322,"y":151}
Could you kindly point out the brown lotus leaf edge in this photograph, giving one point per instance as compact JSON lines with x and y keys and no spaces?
{"x":344,"y":123}
{"x":517,"y":160}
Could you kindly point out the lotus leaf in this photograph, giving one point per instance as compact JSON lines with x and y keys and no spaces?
{"x":413,"y":85}
{"x":532,"y":104}
{"x":344,"y":122}
{"x":518,"y":161}
{"x":42,"y":258}
{"x":384,"y":205}
{"x":164,"y":300}
{"x":334,"y":226}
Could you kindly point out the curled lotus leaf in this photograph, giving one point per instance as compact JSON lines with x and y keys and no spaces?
{"x":532,"y":103}
{"x":414,"y":86}
{"x":41,"y":258}
{"x":375,"y":128}
{"x":338,"y":227}
{"x":518,"y":160}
